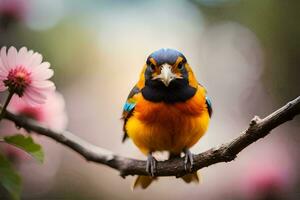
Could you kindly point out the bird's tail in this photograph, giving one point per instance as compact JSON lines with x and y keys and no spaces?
{"x":192,"y":178}
{"x":142,"y":181}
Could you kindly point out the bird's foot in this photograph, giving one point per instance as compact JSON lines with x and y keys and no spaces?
{"x":151,"y":165}
{"x":188,"y":160}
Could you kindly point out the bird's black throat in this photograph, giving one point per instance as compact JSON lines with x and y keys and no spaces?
{"x":177,"y":91}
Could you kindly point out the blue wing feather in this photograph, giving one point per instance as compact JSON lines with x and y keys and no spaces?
{"x":209,"y":106}
{"x":128,"y":109}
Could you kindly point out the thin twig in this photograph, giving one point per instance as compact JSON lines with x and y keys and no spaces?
{"x":257,"y":129}
{"x":3,"y":110}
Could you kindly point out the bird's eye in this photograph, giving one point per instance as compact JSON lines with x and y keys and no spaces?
{"x":180,"y":66}
{"x":152,"y":66}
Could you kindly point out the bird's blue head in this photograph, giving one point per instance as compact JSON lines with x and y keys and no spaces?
{"x":166,"y":56}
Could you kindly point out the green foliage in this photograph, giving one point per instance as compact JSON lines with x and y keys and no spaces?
{"x":9,"y":178}
{"x":27,"y":144}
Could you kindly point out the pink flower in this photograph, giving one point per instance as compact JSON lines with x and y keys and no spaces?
{"x":24,"y":74}
{"x":267,"y":177}
{"x":51,"y":113}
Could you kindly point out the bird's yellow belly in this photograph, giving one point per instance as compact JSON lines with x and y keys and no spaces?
{"x":167,"y":129}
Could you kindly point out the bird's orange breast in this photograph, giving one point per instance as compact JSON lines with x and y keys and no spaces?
{"x":171,"y":127}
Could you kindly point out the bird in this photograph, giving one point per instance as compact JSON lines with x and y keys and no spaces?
{"x":166,"y":110}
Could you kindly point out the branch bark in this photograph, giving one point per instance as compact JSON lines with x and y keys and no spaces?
{"x":257,"y":129}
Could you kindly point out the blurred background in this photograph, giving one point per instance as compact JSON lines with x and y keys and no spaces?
{"x":245,"y":52}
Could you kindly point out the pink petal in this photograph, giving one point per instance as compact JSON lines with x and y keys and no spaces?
{"x":3,"y":70}
{"x":3,"y":76}
{"x":32,"y":100}
{"x":27,"y":58}
{"x":30,"y":52}
{"x":44,"y":65}
{"x":22,"y":56}
{"x":4,"y":57}
{"x":42,"y":74}
{"x":3,"y":67}
{"x":36,"y":59}
{"x":43,"y":84}
{"x":36,"y":92}
{"x":41,"y":67}
{"x":12,"y":56}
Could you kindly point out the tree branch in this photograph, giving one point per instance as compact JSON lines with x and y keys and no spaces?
{"x":257,"y":129}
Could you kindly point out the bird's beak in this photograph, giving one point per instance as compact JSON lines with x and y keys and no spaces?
{"x":166,"y":75}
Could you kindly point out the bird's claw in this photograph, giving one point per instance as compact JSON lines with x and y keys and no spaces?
{"x":188,"y":160}
{"x":151,"y":165}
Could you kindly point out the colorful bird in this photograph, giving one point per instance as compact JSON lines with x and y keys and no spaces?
{"x":167,"y":110}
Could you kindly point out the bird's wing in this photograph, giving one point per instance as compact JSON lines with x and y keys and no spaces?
{"x":208,"y":102}
{"x":129,"y":108}
{"x":209,"y":106}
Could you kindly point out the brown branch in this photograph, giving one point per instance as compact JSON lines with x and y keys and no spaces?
{"x":257,"y":129}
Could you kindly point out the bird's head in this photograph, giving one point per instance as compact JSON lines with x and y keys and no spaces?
{"x":167,"y":73}
{"x":166,"y":68}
